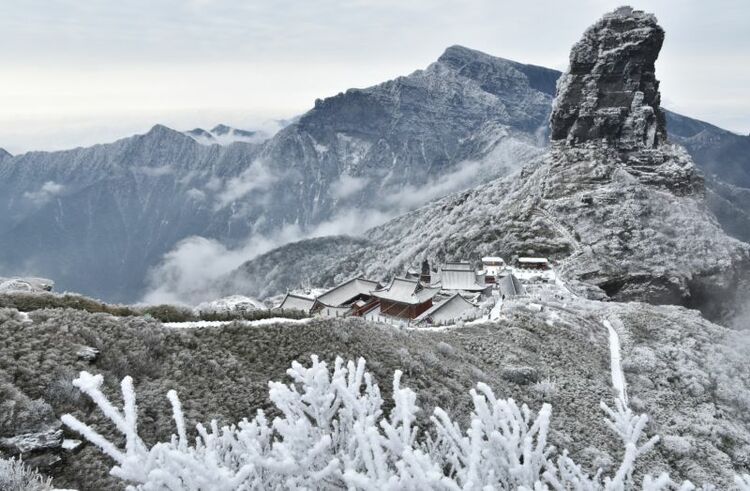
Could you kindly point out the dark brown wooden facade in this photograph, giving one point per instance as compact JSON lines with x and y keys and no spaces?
{"x":403,"y":310}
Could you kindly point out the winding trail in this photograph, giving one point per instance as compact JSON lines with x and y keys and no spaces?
{"x":615,"y":354}
{"x":618,"y":377}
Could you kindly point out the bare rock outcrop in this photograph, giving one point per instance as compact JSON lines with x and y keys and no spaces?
{"x":610,"y":92}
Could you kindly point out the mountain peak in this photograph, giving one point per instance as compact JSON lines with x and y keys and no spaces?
{"x":4,"y":154}
{"x":159,"y":132}
{"x":457,"y":56}
{"x":221,"y":129}
{"x":610,"y":90}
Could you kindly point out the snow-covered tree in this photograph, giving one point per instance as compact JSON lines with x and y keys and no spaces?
{"x":17,"y":476}
{"x":333,"y":434}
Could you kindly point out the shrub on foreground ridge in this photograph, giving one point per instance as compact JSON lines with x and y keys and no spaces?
{"x":333,"y":434}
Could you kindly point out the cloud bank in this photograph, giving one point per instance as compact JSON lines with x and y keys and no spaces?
{"x":43,"y":195}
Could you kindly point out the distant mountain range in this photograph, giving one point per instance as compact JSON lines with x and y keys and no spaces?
{"x":97,"y":219}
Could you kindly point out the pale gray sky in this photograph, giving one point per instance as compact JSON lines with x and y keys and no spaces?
{"x":79,"y":72}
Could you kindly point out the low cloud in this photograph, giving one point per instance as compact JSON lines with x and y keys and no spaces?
{"x":188,"y":274}
{"x":462,"y":177}
{"x":196,"y":194}
{"x":43,"y":195}
{"x":347,"y":186}
{"x":257,"y":177}
{"x":507,"y":157}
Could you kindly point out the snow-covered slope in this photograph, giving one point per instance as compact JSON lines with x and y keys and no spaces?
{"x":8,"y":285}
{"x":230,"y":304}
{"x":621,"y":207}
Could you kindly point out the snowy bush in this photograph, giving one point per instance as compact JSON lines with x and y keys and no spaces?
{"x":16,"y":476}
{"x":332,"y":433}
{"x":445,"y":349}
{"x":545,"y":388}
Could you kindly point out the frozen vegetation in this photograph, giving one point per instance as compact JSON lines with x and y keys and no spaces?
{"x":333,"y":433}
{"x":689,"y":375}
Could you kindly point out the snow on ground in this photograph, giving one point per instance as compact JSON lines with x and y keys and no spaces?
{"x":71,"y":444}
{"x":618,"y":378}
{"x":233,"y":303}
{"x":31,"y":284}
{"x":495,"y":312}
{"x":260,"y":322}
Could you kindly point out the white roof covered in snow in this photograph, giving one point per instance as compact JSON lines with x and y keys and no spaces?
{"x":493,"y":259}
{"x":296,"y":302}
{"x":459,"y":279}
{"x":533,"y":260}
{"x":347,"y":291}
{"x":407,"y":291}
{"x":510,"y":286}
{"x":454,"y":308}
{"x":462,"y":265}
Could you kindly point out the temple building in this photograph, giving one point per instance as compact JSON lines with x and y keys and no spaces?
{"x":353,"y":297}
{"x":494,"y":268}
{"x":405,"y":298}
{"x":454,"y":309}
{"x":460,"y":276}
{"x":296,"y":302}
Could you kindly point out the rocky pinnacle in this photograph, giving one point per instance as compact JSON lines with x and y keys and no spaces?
{"x":610,"y":91}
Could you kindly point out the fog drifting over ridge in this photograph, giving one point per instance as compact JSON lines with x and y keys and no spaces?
{"x":77,"y":74}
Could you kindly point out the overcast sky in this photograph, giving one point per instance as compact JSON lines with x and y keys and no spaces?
{"x":76,"y":72}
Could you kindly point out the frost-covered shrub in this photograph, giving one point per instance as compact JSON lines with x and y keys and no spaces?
{"x":445,"y":349}
{"x":676,"y":445}
{"x":16,"y":476}
{"x":332,"y":433}
{"x":521,"y":375}
{"x":170,"y":313}
{"x":546,"y":389}
{"x":21,"y":414}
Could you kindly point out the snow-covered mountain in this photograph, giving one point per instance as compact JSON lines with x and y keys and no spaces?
{"x":96,"y":219}
{"x":622,"y":207}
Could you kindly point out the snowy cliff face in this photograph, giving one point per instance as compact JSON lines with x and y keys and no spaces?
{"x":404,"y":142}
{"x":610,"y":91}
{"x":628,"y":219}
